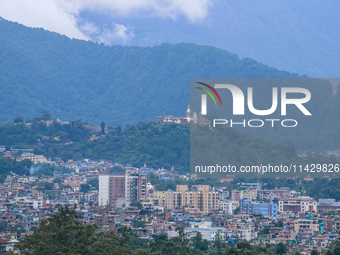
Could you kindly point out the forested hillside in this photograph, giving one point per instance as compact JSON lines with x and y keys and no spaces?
{"x":75,"y":79}
{"x":40,"y":70}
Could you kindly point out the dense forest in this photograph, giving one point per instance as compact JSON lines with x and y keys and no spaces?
{"x":76,"y":79}
{"x":81,"y":79}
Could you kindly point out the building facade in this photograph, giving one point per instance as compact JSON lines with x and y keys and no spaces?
{"x":201,"y":198}
{"x":208,"y":233}
{"x":266,"y":209}
{"x":129,"y":186}
{"x":295,"y":205}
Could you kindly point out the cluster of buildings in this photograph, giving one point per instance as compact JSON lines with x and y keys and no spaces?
{"x":268,"y":216}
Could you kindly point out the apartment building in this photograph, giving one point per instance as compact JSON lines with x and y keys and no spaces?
{"x":129,"y":186}
{"x":244,"y":229}
{"x":243,"y":194}
{"x":201,"y":198}
{"x":228,"y":206}
{"x":208,"y":233}
{"x":304,"y":228}
{"x":295,"y":205}
{"x":328,"y":205}
{"x":284,"y":193}
{"x":266,"y":209}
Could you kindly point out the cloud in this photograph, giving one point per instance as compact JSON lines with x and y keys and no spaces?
{"x":89,"y":28}
{"x":61,"y":16}
{"x":120,"y":34}
{"x":53,"y":15}
{"x":194,"y":9}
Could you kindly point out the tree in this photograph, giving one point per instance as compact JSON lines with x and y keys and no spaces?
{"x":245,"y":245}
{"x":45,"y":186}
{"x":236,"y":211}
{"x":219,"y":239}
{"x":198,"y":242}
{"x":21,"y":230}
{"x":85,"y":188}
{"x":140,"y":223}
{"x":102,"y":125}
{"x":279,"y":224}
{"x":116,"y":169}
{"x":45,"y":115}
{"x":281,"y":248}
{"x":3,"y":226}
{"x":18,"y":119}
{"x":62,"y":233}
{"x":336,"y":250}
{"x":94,"y":183}
{"x":137,"y":204}
{"x":314,"y":252}
{"x":233,"y":250}
{"x":329,"y":252}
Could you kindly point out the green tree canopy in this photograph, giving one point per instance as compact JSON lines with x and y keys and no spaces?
{"x":280,"y":248}
{"x":137,"y":204}
{"x":85,"y":188}
{"x":18,"y":119}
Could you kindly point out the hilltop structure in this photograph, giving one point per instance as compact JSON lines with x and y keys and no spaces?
{"x":196,"y":119}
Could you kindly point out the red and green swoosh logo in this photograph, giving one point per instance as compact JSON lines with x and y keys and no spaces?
{"x":209,"y":93}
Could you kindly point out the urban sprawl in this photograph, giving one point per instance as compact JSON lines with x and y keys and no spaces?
{"x":126,"y":198}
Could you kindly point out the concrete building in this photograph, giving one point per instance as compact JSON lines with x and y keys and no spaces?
{"x":201,"y":198}
{"x":228,"y":206}
{"x":328,"y":205}
{"x":243,"y":194}
{"x":208,"y":233}
{"x":266,"y":209}
{"x":34,"y":158}
{"x":304,"y":228}
{"x":246,"y":231}
{"x":270,"y":194}
{"x":295,"y":205}
{"x":128,"y":186}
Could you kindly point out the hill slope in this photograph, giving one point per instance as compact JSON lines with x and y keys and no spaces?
{"x":73,"y":79}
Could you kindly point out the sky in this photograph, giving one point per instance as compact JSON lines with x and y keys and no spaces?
{"x":299,"y":36}
{"x":63,"y":16}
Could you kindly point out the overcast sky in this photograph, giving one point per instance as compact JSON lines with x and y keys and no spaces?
{"x":62,"y":16}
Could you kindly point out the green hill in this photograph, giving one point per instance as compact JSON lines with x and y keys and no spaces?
{"x":75,"y":79}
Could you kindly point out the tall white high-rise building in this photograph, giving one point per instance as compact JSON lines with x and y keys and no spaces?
{"x":130,"y":186}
